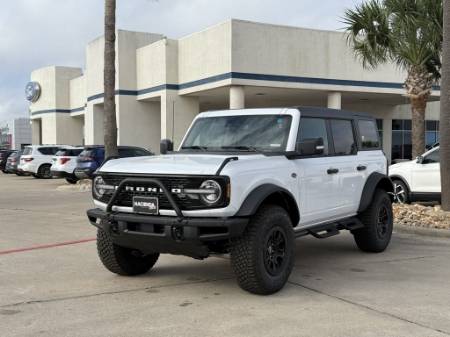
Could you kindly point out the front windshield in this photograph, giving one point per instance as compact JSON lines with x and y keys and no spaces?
{"x":265,"y":133}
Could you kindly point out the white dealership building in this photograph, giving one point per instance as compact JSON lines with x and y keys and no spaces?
{"x":163,"y":83}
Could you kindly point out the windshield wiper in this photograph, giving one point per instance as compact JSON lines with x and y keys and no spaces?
{"x":195,"y":147}
{"x":241,"y":148}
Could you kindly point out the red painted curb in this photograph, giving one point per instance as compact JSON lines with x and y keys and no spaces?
{"x":51,"y":245}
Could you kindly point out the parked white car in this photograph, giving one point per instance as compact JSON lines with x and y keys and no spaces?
{"x":64,"y":163}
{"x":37,"y":159}
{"x":419,"y":179}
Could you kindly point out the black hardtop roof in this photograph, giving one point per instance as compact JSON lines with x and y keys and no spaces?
{"x":331,"y":113}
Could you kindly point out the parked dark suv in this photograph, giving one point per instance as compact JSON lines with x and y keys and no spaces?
{"x":4,"y":154}
{"x":92,"y":158}
{"x":12,"y":162}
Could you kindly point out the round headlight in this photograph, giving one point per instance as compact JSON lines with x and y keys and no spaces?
{"x":215,"y":192}
{"x":99,"y":187}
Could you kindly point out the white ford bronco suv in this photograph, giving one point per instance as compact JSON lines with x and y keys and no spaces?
{"x":246,"y":182}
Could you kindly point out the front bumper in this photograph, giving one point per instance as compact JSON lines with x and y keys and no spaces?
{"x":167,"y":234}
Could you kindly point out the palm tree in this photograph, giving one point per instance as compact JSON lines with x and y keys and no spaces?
{"x":445,"y":112}
{"x":408,"y":33}
{"x":109,"y":80}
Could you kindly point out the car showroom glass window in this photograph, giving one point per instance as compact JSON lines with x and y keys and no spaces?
{"x":263,"y":132}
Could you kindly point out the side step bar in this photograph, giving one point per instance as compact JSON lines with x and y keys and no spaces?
{"x":326,"y":230}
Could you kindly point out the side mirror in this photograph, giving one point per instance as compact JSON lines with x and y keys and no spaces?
{"x":419,"y":160}
{"x":165,"y":146}
{"x":310,"y":147}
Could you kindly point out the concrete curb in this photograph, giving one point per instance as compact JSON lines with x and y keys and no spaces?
{"x":440,"y":233}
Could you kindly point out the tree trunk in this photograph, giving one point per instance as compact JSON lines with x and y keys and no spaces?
{"x":418,"y":107}
{"x":418,"y":86}
{"x":109,"y":80}
{"x":444,"y":126}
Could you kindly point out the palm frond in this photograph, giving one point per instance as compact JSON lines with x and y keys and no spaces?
{"x":406,"y":32}
{"x":368,"y":32}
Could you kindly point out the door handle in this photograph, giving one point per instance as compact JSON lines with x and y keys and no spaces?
{"x":332,"y":170}
{"x":361,"y":167}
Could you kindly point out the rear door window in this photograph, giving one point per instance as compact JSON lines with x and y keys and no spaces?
{"x":343,"y":137}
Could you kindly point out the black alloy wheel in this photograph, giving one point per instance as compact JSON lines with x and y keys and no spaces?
{"x":274,"y":256}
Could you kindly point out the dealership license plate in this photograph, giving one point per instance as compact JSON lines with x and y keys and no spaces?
{"x":145,"y":205}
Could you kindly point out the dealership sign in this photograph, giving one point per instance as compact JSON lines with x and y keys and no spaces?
{"x":32,"y":91}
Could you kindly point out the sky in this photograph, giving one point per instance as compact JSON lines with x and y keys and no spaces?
{"x":38,"y":33}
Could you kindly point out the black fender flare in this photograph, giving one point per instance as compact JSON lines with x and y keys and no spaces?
{"x":256,"y":197}
{"x":374,"y":181}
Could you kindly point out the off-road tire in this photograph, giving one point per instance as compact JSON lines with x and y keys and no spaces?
{"x":121,"y":260}
{"x":72,"y":181}
{"x":250,"y":251}
{"x":376,"y":234}
{"x":44,"y":171}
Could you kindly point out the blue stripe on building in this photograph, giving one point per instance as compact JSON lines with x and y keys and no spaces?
{"x":241,"y":76}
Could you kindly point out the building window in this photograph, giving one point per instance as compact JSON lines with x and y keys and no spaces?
{"x":401,"y":137}
{"x":432,"y":132}
{"x":380,"y":130}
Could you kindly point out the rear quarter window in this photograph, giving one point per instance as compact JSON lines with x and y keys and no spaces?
{"x":27,"y":151}
{"x":48,"y":150}
{"x":61,"y":153}
{"x":87,"y":153}
{"x":368,"y":134}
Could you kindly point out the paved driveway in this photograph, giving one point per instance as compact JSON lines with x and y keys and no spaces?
{"x":59,"y":288}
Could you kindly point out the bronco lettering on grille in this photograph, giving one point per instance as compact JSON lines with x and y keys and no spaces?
{"x":150,"y":189}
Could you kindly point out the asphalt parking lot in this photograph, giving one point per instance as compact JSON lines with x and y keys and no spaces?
{"x":52,"y":283}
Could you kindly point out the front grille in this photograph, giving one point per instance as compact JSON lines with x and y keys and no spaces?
{"x":184,"y":202}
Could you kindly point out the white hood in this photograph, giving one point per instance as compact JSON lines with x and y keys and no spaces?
{"x":206,"y":164}
{"x":402,"y":165}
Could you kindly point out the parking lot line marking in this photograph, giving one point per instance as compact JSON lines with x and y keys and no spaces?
{"x":50,"y":245}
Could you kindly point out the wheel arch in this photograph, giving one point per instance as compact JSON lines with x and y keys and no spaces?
{"x":270,"y":193}
{"x":402,"y":179}
{"x":375,"y":181}
{"x":42,"y":165}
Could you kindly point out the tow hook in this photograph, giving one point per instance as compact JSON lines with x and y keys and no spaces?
{"x":177,"y":233}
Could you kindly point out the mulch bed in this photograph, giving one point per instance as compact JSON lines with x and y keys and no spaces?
{"x":417,"y":215}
